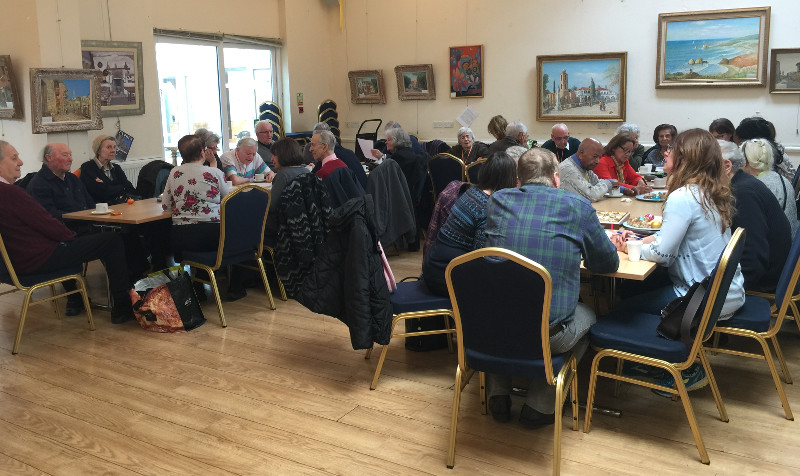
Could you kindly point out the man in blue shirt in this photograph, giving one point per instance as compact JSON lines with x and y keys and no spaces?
{"x":557,"y":229}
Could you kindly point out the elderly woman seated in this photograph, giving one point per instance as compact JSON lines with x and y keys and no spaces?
{"x":467,"y":149}
{"x":759,"y":157}
{"x":637,"y":156}
{"x":663,"y":135}
{"x":211,"y":143}
{"x":614,"y":165}
{"x":242,"y":164}
{"x":105,"y":181}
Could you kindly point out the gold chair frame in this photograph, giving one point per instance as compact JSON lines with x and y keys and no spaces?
{"x":29,"y":290}
{"x":696,"y":352}
{"x":433,"y":183}
{"x":567,"y":377}
{"x":271,"y":261}
{"x":763,"y":339}
{"x":478,"y":161}
{"x":250,"y":188}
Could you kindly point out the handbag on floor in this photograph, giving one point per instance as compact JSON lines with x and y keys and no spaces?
{"x":681,"y":317}
{"x":169,"y":307}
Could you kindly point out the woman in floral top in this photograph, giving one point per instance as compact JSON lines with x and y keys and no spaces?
{"x":193,"y":194}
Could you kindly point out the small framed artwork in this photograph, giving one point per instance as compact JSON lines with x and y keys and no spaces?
{"x":784,"y":66}
{"x":120,"y":67}
{"x":583,"y":87}
{"x":65,"y":100}
{"x":366,"y":87}
{"x":466,"y":71}
{"x":415,"y":81}
{"x":10,"y":103}
{"x":713,"y":48}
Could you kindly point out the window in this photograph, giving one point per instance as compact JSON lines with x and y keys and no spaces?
{"x":215,"y":82}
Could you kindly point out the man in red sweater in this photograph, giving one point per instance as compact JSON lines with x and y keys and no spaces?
{"x":322,"y":145}
{"x":38,"y":243}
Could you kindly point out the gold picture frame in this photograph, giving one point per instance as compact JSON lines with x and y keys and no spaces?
{"x":65,"y":100}
{"x":713,"y":48}
{"x":784,"y":77}
{"x":121,"y":80}
{"x":10,"y":100}
{"x":415,"y":81}
{"x":581,"y":87}
{"x":366,"y":87}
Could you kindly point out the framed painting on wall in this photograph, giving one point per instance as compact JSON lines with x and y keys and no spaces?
{"x":120,"y":67}
{"x":784,"y":71}
{"x":466,"y":71}
{"x":415,"y":81}
{"x":713,"y":48}
{"x":366,"y":87}
{"x":65,"y":100}
{"x":583,"y":87}
{"x":10,"y":102}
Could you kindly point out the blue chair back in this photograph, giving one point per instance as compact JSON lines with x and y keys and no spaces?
{"x":501,"y":302}
{"x":443,"y":169}
{"x":720,"y":283}
{"x":474,"y":169}
{"x":243,"y":216}
{"x":789,"y":276}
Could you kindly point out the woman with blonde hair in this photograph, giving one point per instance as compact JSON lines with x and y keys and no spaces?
{"x":696,"y":228}
{"x":105,"y":181}
{"x":760,"y":159}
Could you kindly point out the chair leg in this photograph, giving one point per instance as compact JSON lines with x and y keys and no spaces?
{"x":712,"y":382}
{"x":378,"y":369}
{"x":449,"y":335}
{"x":55,"y":301}
{"x":587,"y":421}
{"x":779,"y":354}
{"x":23,"y":314}
{"x":266,"y":283}
{"x":451,"y":450}
{"x":482,"y":382}
{"x":618,"y":383}
{"x":215,"y":288}
{"x":85,"y":296}
{"x":771,"y":364}
{"x":687,"y":407}
{"x":369,"y":353}
{"x":573,"y":394}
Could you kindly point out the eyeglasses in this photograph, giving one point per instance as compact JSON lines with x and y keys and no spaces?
{"x":561,"y":138}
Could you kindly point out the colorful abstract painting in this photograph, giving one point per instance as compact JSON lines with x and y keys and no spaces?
{"x":466,"y":71}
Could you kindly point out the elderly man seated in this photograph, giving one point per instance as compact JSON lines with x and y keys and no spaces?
{"x":556,"y":229}
{"x":516,"y":134}
{"x":55,"y":187}
{"x":576,"y":172}
{"x":561,"y":143}
{"x":241,"y":164}
{"x":345,"y":155}
{"x":38,"y":243}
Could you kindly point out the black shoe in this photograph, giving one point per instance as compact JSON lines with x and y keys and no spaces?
{"x":120,"y":314}
{"x":532,"y":419}
{"x":236,"y":294}
{"x":500,"y":408}
{"x":74,"y":305}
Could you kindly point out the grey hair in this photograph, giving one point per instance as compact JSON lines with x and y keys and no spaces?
{"x":3,"y":145}
{"x":48,"y":149}
{"x":628,"y":127}
{"x":515,"y":152}
{"x":392,"y":125}
{"x":246,"y":142}
{"x":327,"y":138}
{"x":263,"y":122}
{"x":321,"y":126}
{"x":207,"y":137}
{"x":465,"y":130}
{"x":759,"y":154}
{"x":513,"y":129}
{"x":732,"y":153}
{"x":399,"y":136}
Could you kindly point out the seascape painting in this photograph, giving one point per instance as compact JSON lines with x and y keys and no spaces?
{"x":581,"y":87}
{"x":713,"y":48}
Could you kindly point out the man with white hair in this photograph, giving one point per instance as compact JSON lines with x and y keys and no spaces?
{"x":55,"y":187}
{"x":769,"y":235}
{"x":516,"y":134}
{"x":345,"y":155}
{"x":561,"y":143}
{"x":241,"y":164}
{"x":323,"y":144}
{"x":264,"y":137}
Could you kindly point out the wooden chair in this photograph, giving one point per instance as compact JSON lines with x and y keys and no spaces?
{"x":501,"y":307}
{"x":32,"y":282}
{"x":243,"y":214}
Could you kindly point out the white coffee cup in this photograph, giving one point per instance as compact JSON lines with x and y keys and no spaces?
{"x":634,"y":250}
{"x":646,"y":169}
{"x":101,"y":207}
{"x":260,"y":177}
{"x":660,"y":182}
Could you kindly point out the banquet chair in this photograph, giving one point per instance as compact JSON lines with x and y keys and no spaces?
{"x":501,"y":307}
{"x":443,"y":169}
{"x":474,"y":169}
{"x":754,"y":320}
{"x":633,"y":338}
{"x":32,"y":282}
{"x":413,"y":300}
{"x":793,"y":297}
{"x":243,"y":214}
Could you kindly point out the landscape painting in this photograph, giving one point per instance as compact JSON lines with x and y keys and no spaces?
{"x":720,"y":48}
{"x":587,"y":87}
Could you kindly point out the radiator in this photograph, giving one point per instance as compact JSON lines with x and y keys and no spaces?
{"x":133,"y":167}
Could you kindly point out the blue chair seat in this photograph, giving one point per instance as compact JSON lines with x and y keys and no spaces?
{"x":414,"y":296}
{"x":636,"y":333}
{"x":509,"y":366}
{"x":754,"y":315}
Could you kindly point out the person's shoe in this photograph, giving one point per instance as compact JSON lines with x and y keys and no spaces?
{"x":74,"y":305}
{"x":500,"y":408}
{"x":533,"y":419}
{"x":644,"y":372}
{"x":236,"y":294}
{"x":694,"y":378}
{"x":122,"y":313}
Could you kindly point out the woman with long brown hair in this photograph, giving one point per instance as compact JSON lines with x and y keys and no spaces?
{"x":695,"y":229}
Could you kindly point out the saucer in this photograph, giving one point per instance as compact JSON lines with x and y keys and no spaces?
{"x":95,"y":212}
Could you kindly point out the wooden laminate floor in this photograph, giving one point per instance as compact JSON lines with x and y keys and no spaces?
{"x":282,"y":392}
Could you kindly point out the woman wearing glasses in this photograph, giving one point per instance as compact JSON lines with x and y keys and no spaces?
{"x":614,"y":165}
